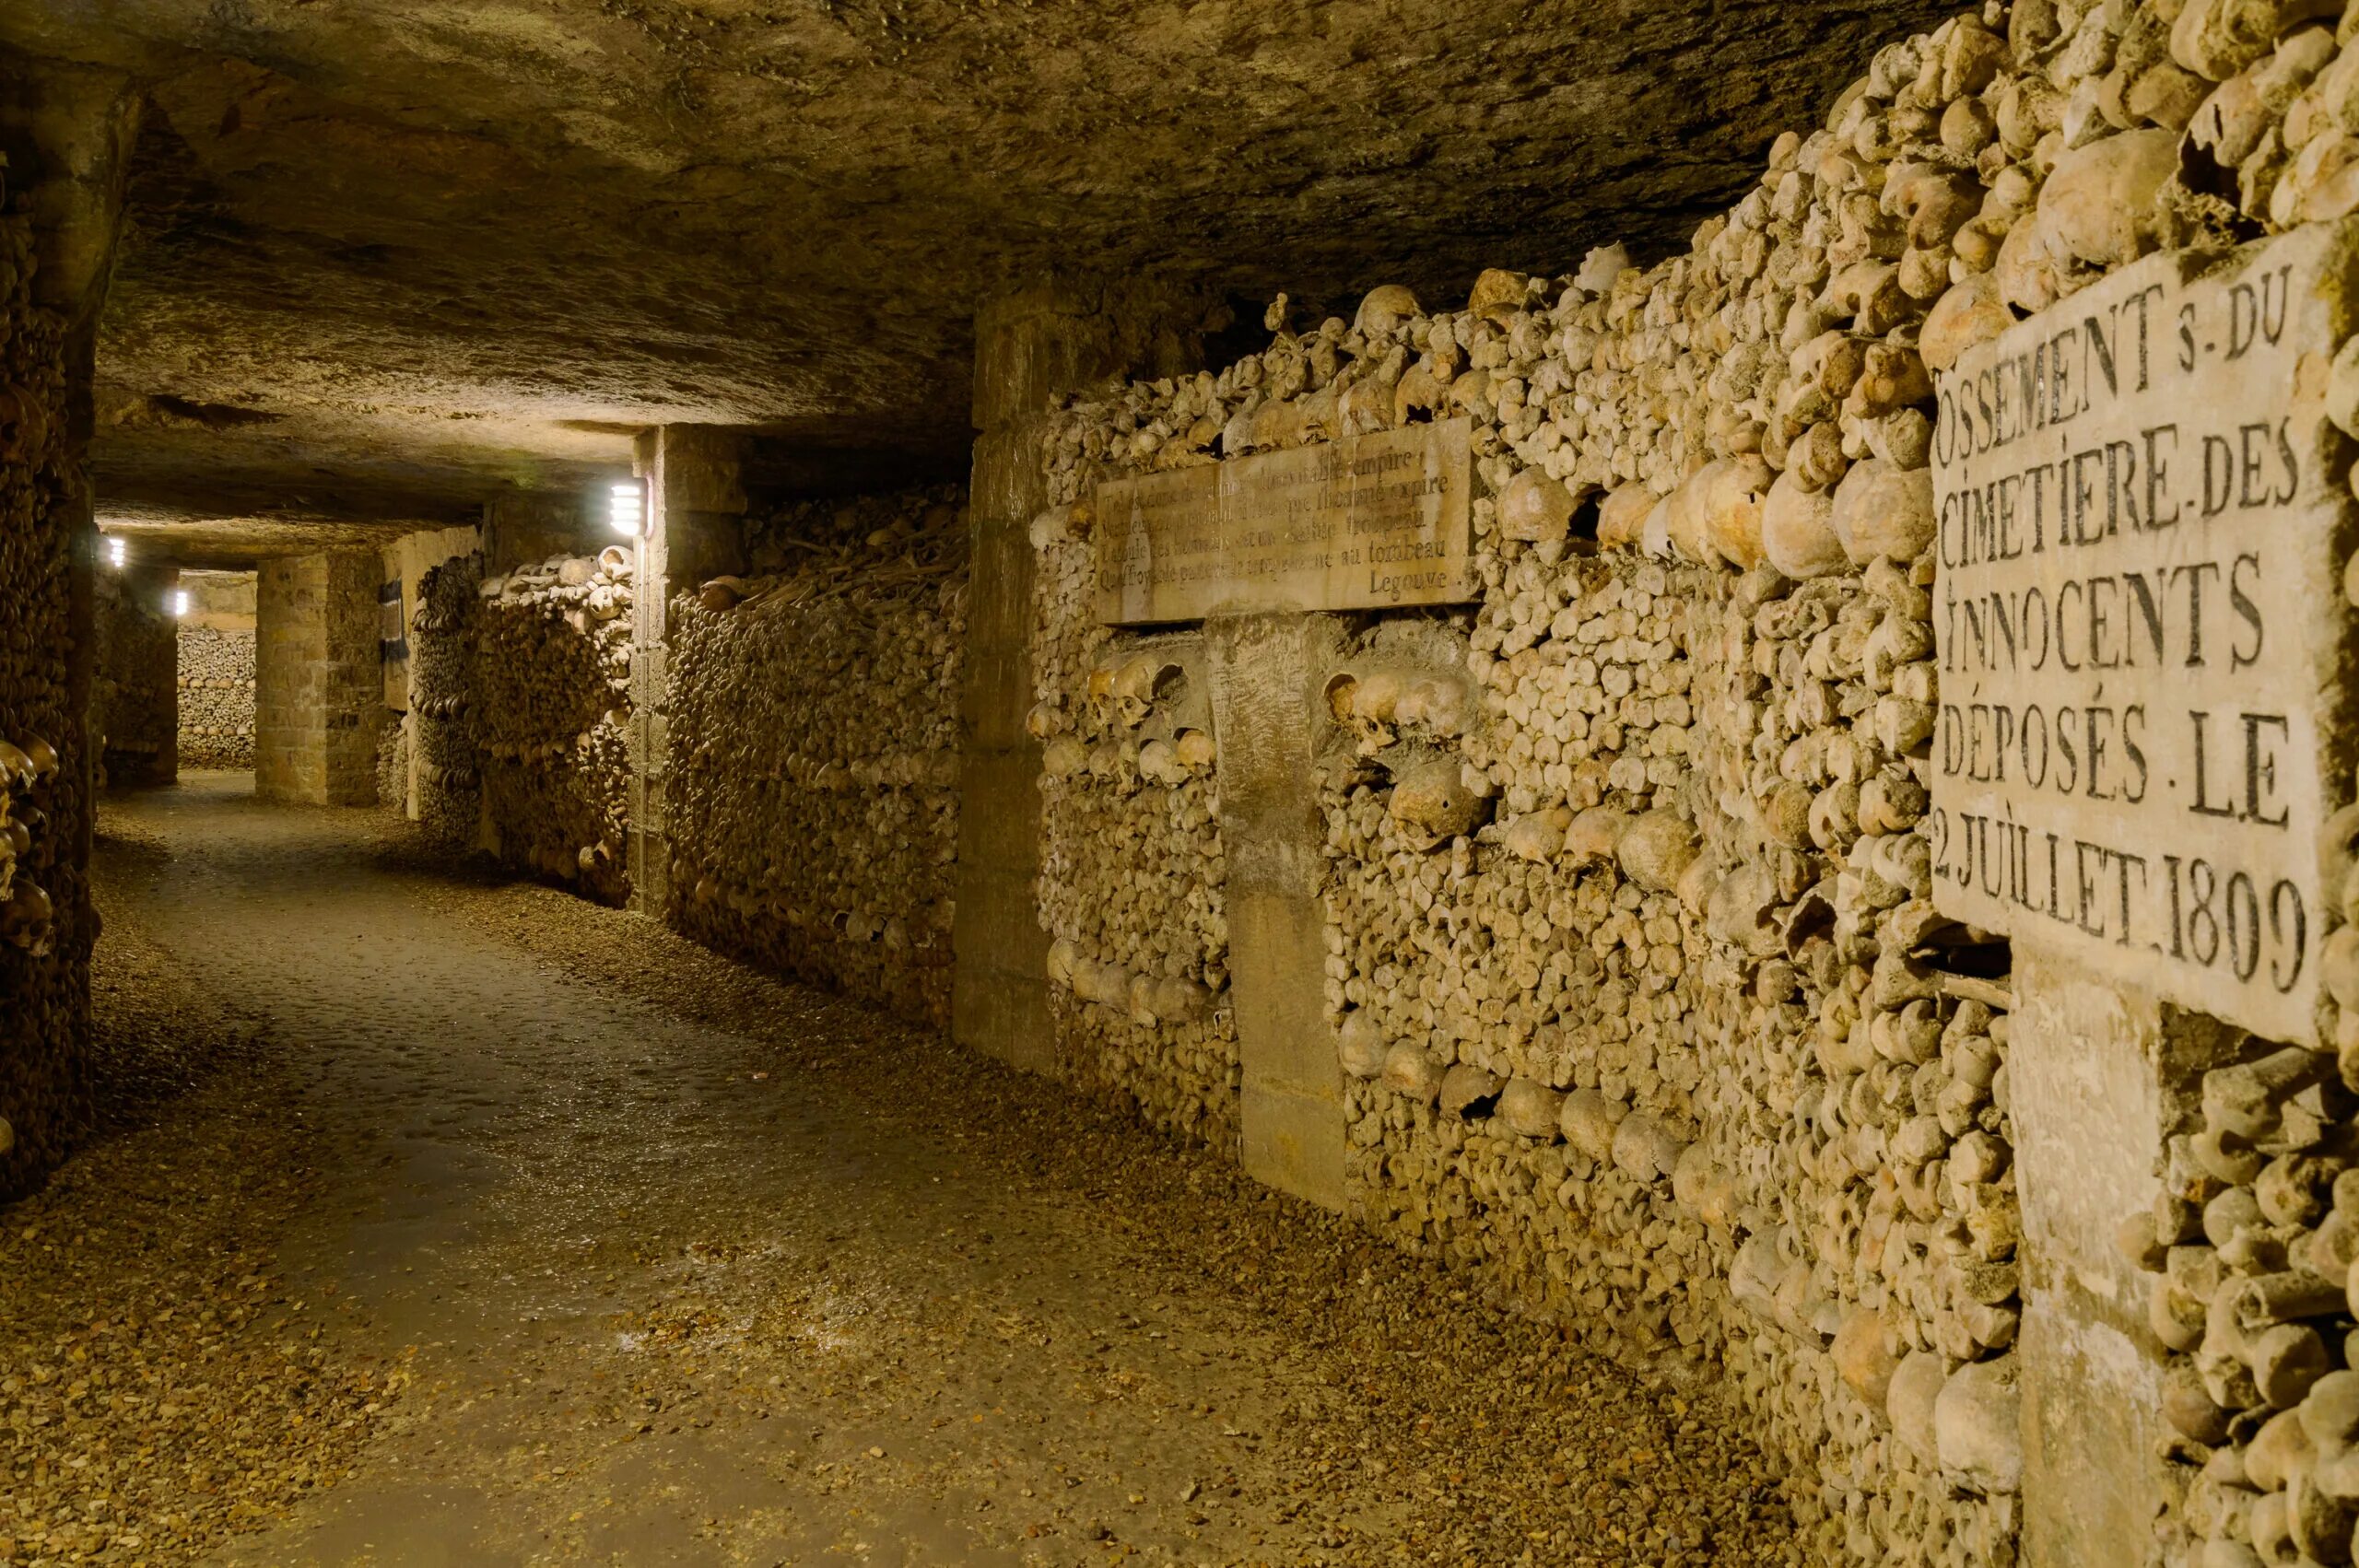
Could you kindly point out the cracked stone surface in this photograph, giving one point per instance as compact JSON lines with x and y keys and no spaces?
{"x":386,"y":260}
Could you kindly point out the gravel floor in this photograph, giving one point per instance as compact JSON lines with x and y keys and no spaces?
{"x":486,"y":1226}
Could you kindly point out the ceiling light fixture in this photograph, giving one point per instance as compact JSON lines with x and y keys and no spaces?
{"x":628,"y":510}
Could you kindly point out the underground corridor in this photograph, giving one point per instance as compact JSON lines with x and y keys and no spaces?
{"x":1238,"y":784}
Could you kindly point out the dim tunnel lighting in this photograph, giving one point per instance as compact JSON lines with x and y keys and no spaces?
{"x":180,"y":601}
{"x":115,"y":551}
{"x":628,"y":510}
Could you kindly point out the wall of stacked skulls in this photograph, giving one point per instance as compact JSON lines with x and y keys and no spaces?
{"x":1644,"y":1010}
{"x":217,"y":686}
{"x":134,"y":722}
{"x":548,"y":679}
{"x":812,"y":798}
{"x":519,"y":708}
{"x":1131,"y":852}
{"x":46,"y":923}
{"x":1132,"y":865}
{"x":445,"y":757}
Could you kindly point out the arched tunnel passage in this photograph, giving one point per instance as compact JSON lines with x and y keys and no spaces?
{"x":1661,"y":870}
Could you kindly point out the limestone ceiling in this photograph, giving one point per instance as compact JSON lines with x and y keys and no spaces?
{"x":388,"y":258}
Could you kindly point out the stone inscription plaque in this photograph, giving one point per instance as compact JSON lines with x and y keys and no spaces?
{"x":2140,"y":631}
{"x":1364,"y":523}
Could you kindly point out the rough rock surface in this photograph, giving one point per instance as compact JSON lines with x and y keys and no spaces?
{"x":383,"y":263}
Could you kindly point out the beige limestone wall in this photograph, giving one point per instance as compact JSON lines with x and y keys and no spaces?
{"x":319,"y":694}
{"x":693,"y":530}
{"x":1033,"y":349}
{"x":219,"y":601}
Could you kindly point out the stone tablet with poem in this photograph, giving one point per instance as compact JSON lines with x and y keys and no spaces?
{"x":1368,"y":522}
{"x":2143,"y":648}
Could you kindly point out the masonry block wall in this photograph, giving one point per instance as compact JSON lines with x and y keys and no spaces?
{"x":319,"y":694}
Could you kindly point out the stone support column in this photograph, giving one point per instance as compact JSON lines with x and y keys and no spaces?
{"x":1031,"y":347}
{"x":2099,"y":1076}
{"x":695,"y":530}
{"x":319,"y":689}
{"x":1266,"y":671}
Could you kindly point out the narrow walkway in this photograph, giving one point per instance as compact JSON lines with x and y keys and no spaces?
{"x":598,"y":1248}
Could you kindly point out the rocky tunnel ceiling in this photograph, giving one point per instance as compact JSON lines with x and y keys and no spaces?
{"x":386,"y":259}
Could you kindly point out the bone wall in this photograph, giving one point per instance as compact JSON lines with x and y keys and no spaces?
{"x":135,"y":694}
{"x":1646,"y":1015}
{"x":1132,"y":864}
{"x":445,"y":761}
{"x":216,"y":697}
{"x":45,"y":920}
{"x":547,"y":673}
{"x":815,"y":747}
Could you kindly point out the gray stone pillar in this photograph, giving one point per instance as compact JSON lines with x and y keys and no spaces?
{"x":1266,"y":671}
{"x":2098,"y":1077}
{"x":695,"y":530}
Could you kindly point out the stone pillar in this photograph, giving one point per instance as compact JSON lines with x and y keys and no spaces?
{"x":1030,"y":348}
{"x":65,"y":134}
{"x":2098,"y":1077}
{"x":318,"y":693}
{"x":695,"y":530}
{"x":1266,"y":673}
